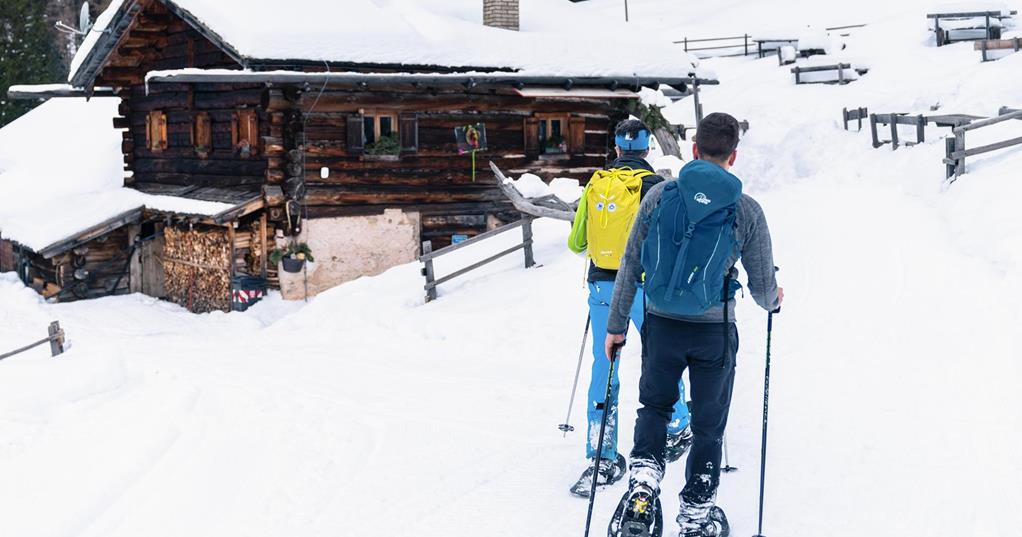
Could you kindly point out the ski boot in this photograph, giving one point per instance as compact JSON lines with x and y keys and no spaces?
{"x":714,"y":525}
{"x":638,"y":515}
{"x":611,"y":471}
{"x":678,"y":444}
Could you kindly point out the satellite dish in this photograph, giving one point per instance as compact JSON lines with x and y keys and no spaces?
{"x":84,"y":19}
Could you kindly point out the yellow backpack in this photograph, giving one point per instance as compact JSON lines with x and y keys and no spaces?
{"x":612,"y":200}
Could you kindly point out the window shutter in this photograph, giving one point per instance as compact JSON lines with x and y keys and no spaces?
{"x":576,"y":135}
{"x":356,"y":134}
{"x":156,"y":131}
{"x":245,"y":132}
{"x":202,"y":133}
{"x":531,"y":137}
{"x":409,"y":131}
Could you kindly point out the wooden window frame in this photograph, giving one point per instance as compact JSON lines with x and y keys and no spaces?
{"x":545,"y":124}
{"x":156,"y":131}
{"x":376,"y":114}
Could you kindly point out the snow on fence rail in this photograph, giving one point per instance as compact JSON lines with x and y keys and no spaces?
{"x":428,"y":255}
{"x":745,"y":44}
{"x":955,"y":147}
{"x":55,"y":339}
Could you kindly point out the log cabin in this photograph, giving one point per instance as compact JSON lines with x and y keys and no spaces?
{"x":362,"y":138}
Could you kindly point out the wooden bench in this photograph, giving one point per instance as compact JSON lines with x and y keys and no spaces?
{"x":839,"y":67}
{"x":987,"y":45}
{"x":990,"y":29}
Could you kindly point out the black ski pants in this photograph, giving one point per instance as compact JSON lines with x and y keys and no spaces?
{"x":669,"y":347}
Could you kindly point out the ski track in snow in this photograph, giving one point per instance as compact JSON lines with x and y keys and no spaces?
{"x":894,"y":397}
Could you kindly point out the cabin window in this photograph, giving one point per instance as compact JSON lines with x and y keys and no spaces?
{"x":245,"y":132}
{"x":553,"y":134}
{"x":202,"y":134}
{"x":156,"y":131}
{"x":380,"y":129}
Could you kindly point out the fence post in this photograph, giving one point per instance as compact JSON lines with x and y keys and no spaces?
{"x":873,"y":131}
{"x":959,"y":146}
{"x":862,"y":114}
{"x":686,"y":44}
{"x":427,"y":271}
{"x":695,"y":98}
{"x":844,"y":117}
{"x":56,"y":339}
{"x":527,"y":241}
{"x":746,"y":45}
{"x":921,"y":129}
{"x":894,"y":132}
{"x":841,"y":75}
{"x":949,"y":165}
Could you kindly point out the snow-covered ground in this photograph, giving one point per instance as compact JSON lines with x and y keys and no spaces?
{"x":894,"y":390}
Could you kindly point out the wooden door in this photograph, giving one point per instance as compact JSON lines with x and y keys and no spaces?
{"x":151,"y":253}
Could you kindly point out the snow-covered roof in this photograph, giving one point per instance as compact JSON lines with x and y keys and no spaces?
{"x":61,"y":173}
{"x":403,"y":32}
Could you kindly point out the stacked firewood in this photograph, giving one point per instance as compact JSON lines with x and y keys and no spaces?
{"x":197,"y":268}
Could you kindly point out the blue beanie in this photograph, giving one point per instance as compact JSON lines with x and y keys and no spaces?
{"x":639,"y":143}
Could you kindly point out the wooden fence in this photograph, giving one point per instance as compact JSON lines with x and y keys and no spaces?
{"x":428,"y":255}
{"x":742,"y":45}
{"x":55,"y":339}
{"x":955,"y":146}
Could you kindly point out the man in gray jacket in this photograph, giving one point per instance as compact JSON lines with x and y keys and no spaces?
{"x":672,"y":344}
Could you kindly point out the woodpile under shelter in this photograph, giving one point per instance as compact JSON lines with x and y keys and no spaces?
{"x":244,"y":127}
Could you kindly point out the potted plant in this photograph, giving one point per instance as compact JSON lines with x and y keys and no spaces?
{"x":202,"y":150}
{"x":556,"y":144}
{"x":292,"y":258}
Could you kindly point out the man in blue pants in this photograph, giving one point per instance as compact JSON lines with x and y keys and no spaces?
{"x":632,"y":146}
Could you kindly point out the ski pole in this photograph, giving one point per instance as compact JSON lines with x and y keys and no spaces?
{"x":727,"y":469}
{"x":615,"y":352}
{"x":566,"y":427}
{"x":766,"y":411}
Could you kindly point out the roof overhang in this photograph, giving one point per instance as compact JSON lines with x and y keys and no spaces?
{"x":47,"y":91}
{"x":518,"y":81}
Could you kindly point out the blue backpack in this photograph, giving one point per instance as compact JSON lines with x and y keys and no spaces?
{"x":691,"y":238}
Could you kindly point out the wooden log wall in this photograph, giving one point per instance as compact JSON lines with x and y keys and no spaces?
{"x":8,"y":259}
{"x":433,"y":179}
{"x":159,"y":40}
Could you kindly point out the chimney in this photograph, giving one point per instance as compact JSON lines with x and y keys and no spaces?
{"x":501,"y":14}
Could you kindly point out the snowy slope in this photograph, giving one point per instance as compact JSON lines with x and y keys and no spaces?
{"x":894,"y":390}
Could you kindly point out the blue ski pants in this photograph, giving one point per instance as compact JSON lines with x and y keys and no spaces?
{"x":600,"y":294}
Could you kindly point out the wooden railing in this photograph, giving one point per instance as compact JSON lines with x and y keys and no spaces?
{"x":428,"y":255}
{"x":55,"y":339}
{"x":743,"y":45}
{"x":955,"y":147}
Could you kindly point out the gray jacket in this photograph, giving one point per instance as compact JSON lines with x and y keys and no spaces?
{"x":755,"y":251}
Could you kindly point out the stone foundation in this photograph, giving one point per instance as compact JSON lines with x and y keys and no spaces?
{"x":350,"y":247}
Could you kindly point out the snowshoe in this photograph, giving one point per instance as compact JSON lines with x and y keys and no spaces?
{"x":678,"y":444}
{"x":638,"y":515}
{"x":714,"y":525}
{"x":610,"y":472}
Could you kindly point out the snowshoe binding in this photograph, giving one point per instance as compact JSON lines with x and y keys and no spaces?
{"x":678,"y":444}
{"x":611,"y":471}
{"x":714,"y":525}
{"x":638,"y":515}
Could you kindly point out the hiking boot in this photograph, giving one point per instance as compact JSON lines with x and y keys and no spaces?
{"x":678,"y":444}
{"x":713,"y":525}
{"x":610,"y":472}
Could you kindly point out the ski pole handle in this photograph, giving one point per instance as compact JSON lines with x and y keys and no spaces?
{"x":615,"y":351}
